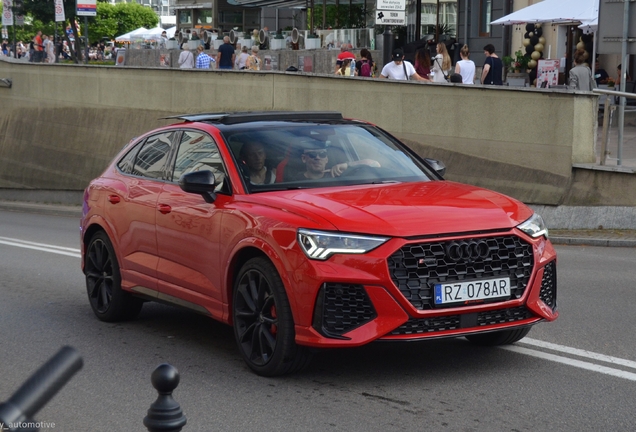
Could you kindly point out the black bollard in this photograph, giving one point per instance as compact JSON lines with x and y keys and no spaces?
{"x":165,"y":414}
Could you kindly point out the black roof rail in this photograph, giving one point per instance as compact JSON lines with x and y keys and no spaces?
{"x":252,"y":116}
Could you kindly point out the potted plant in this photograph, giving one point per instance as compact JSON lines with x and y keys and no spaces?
{"x":312,"y":41}
{"x":278,"y":42}
{"x":172,"y":43}
{"x":520,"y":63}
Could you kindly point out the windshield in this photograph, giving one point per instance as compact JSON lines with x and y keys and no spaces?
{"x":321,"y":155}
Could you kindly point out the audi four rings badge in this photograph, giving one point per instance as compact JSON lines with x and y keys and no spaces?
{"x":467,"y":250}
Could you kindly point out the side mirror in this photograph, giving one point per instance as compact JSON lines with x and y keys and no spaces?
{"x":438,"y":166}
{"x":199,"y":182}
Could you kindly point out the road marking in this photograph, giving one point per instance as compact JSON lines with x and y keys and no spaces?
{"x":579,"y":352}
{"x":572,"y":362}
{"x":41,"y":247}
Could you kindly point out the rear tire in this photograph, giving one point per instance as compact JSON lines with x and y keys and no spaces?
{"x":503,"y":337}
{"x":103,"y":283}
{"x":263,"y":322}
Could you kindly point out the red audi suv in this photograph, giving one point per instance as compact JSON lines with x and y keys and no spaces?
{"x":306,"y":230}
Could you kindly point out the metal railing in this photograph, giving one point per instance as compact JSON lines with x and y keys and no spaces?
{"x":608,"y":110}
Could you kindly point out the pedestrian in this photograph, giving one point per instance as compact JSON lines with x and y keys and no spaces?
{"x":580,"y":75}
{"x":365,"y":66}
{"x":619,"y":77}
{"x":441,"y":64}
{"x":398,"y":69}
{"x":225,"y":56}
{"x":465,"y":67}
{"x":241,"y":60}
{"x":38,"y":45}
{"x":492,"y":72}
{"x":5,"y":47}
{"x":186,"y":58}
{"x":49,"y":49}
{"x":203,"y":60}
{"x":423,"y":63}
{"x":253,"y":61}
{"x":345,"y":68}
{"x":344,"y":54}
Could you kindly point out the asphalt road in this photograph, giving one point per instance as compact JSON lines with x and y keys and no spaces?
{"x":576,"y":374}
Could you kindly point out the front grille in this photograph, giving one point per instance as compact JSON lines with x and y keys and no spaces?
{"x":417,"y":267}
{"x":548,"y":293}
{"x":416,"y":326}
{"x":341,"y":308}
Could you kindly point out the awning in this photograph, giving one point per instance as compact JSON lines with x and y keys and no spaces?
{"x":286,"y":3}
{"x":554,"y":11}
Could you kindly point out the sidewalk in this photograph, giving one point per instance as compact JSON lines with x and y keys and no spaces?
{"x":629,"y":142}
{"x":598,"y":237}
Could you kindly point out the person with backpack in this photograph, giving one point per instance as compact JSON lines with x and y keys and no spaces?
{"x":365,"y":66}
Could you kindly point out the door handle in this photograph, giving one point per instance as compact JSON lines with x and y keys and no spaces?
{"x":114,"y":199}
{"x":164,"y":208}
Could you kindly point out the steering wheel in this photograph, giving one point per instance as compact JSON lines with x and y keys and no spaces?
{"x":358,"y":169}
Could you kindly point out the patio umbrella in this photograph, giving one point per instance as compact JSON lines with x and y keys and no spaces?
{"x":127,"y":36}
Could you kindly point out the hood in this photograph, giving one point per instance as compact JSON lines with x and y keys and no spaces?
{"x":403,"y":209}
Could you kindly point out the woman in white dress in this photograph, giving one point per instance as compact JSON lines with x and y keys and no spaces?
{"x":441,"y":64}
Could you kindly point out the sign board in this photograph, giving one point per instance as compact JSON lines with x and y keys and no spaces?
{"x":59,"y":11}
{"x":610,"y":27}
{"x":7,"y":12}
{"x":548,"y":71}
{"x":392,"y":5}
{"x":394,"y":18}
{"x":86,"y":7}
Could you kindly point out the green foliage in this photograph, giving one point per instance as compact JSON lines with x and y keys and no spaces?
{"x":339,"y":17}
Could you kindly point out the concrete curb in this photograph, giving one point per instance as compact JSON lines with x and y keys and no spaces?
{"x":580,"y":241}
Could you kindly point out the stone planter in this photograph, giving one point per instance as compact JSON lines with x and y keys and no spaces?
{"x":193,"y":44}
{"x":312,"y":43}
{"x":245,"y":43}
{"x":276,"y":44}
{"x":172,"y":44}
{"x":218,"y":43}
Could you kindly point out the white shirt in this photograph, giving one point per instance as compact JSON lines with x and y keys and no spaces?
{"x":467,"y":71}
{"x":240,"y":61}
{"x":396,"y":71}
{"x":438,"y":75}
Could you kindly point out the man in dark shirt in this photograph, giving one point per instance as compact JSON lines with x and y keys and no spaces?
{"x":225,"y":56}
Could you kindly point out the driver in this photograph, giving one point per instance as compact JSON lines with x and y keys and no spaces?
{"x":314,"y":157}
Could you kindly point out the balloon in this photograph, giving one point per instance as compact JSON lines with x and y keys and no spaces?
{"x":531,"y":34}
{"x":526,"y":42}
{"x":538,"y":31}
{"x":538,"y":47}
{"x":534,"y":40}
{"x":536,"y":55}
{"x":529,"y":49}
{"x":542,"y":40}
{"x":580,"y":46}
{"x":532,"y":64}
{"x":529,"y":27}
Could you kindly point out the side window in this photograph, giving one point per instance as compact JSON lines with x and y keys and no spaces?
{"x":126,"y":163}
{"x":198,"y":152}
{"x":152,"y":157}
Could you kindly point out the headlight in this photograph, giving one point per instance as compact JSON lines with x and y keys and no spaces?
{"x":321,"y":245}
{"x":534,"y":226}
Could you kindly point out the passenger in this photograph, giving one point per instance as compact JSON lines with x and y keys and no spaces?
{"x":581,"y":75}
{"x":241,"y":60}
{"x":441,"y":64}
{"x":345,"y":69}
{"x":398,"y":69}
{"x":465,"y":67}
{"x":492,"y":72}
{"x":423,"y":63}
{"x":253,"y":154}
{"x":253,"y":61}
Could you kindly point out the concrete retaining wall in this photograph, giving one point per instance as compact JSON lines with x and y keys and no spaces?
{"x":61,"y":124}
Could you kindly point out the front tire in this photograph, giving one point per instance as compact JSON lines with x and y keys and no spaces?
{"x":503,"y":337}
{"x":263,"y":322}
{"x":103,"y":283}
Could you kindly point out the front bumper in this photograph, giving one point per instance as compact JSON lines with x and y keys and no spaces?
{"x":355,"y":310}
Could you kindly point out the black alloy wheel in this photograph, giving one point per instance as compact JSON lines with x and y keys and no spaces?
{"x":263,"y":324}
{"x":103,"y":282}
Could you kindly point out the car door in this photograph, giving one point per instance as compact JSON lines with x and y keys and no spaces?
{"x":132,"y":208}
{"x":188,"y":229}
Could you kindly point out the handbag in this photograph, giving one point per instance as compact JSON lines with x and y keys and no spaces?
{"x":446,"y":77}
{"x":405,"y":73}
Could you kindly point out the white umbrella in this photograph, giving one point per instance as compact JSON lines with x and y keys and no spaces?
{"x":127,"y":36}
{"x":553,"y":11}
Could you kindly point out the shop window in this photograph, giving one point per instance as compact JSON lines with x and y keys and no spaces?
{"x":485,"y":15}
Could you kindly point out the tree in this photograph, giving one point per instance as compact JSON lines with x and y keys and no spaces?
{"x":339,"y":16}
{"x":111,"y":20}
